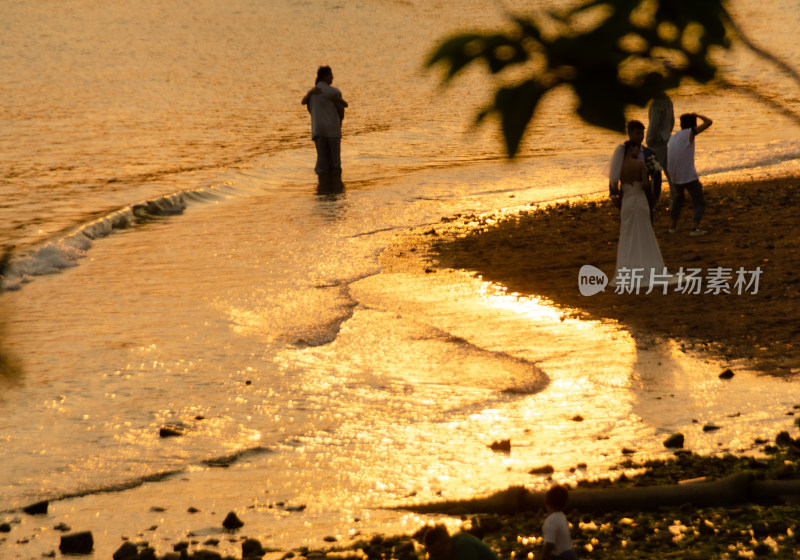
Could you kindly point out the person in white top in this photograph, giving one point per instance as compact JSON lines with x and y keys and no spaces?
{"x":682,"y":173}
{"x":326,"y":106}
{"x":555,"y":530}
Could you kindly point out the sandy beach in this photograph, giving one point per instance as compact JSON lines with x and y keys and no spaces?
{"x":538,"y":250}
{"x":751,"y":225}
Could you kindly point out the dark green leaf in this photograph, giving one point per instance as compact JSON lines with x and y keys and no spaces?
{"x":516,"y":105}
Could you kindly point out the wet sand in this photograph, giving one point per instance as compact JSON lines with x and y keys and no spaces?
{"x":539,"y":250}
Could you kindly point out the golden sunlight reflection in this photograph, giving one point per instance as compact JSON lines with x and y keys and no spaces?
{"x":597,"y":390}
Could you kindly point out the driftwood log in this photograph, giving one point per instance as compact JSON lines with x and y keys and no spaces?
{"x":734,"y":489}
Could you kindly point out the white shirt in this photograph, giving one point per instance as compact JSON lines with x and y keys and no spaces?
{"x":555,"y":530}
{"x":680,"y":163}
{"x":325,"y":119}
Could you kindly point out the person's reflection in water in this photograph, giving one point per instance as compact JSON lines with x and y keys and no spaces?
{"x":331,"y":200}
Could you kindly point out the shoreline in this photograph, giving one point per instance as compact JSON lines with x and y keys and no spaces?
{"x":427,"y":245}
{"x":539,"y":251}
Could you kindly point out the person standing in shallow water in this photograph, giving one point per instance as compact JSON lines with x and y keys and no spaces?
{"x":461,"y":546}
{"x":326,"y":106}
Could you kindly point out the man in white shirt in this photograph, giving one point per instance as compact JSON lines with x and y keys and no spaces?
{"x":326,"y":106}
{"x":682,"y":172}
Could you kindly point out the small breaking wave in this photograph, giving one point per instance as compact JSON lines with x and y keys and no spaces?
{"x":55,"y":255}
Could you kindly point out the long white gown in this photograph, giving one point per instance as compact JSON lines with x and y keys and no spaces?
{"x":638,"y":248}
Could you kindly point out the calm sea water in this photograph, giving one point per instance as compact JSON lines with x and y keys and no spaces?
{"x":254,"y":315}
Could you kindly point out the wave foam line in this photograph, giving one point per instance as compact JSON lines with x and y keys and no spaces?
{"x":161,"y":476}
{"x":55,"y":255}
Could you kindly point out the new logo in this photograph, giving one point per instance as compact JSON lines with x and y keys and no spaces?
{"x":591,"y":280}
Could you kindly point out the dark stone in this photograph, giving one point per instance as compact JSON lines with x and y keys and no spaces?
{"x":211,"y":542}
{"x":63,"y":527}
{"x":674,"y":441}
{"x":705,"y":528}
{"x":783,"y":472}
{"x":546,"y":469}
{"x":760,"y":529}
{"x":727,"y":374}
{"x":784,"y":438}
{"x":710,"y":428}
{"x":128,"y":551}
{"x":762,"y":549}
{"x":206,"y":555}
{"x":39,"y":508}
{"x":490,"y":524}
{"x":628,"y":451}
{"x":193,"y":510}
{"x":77,"y":543}
{"x":148,"y":554}
{"x":577,"y":418}
{"x":503,"y":445}
{"x":5,"y":528}
{"x":251,"y":548}
{"x":330,"y":539}
{"x":170,"y":431}
{"x":232,"y":522}
{"x":183,"y":545}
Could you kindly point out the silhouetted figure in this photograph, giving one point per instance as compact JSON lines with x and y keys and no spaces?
{"x":461,"y":546}
{"x":555,"y":530}
{"x":635,"y":136}
{"x":326,"y":106}
{"x":660,"y":122}
{"x":4,"y":261}
{"x":683,"y":173}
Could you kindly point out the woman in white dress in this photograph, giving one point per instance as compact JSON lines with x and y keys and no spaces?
{"x":638,"y":249}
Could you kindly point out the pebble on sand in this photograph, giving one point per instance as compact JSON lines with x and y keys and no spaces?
{"x":674,"y":441}
{"x":503,"y":445}
{"x":77,"y":543}
{"x":39,"y":508}
{"x":232,"y":522}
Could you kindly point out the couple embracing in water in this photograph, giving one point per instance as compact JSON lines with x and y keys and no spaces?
{"x":634,"y":186}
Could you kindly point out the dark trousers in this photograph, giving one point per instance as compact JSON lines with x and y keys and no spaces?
{"x":678,"y":196}
{"x":329,"y":155}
